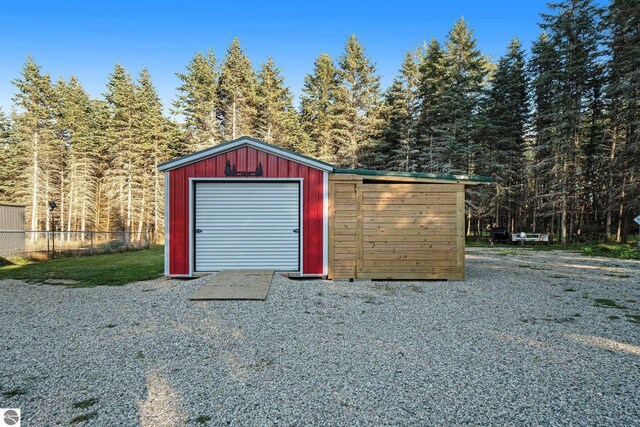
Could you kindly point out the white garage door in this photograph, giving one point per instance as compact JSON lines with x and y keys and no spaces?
{"x":247,"y":225}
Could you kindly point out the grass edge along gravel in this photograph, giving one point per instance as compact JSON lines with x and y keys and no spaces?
{"x":607,"y":250}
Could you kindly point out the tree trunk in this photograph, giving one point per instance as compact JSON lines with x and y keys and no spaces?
{"x":83,"y":215}
{"x":233,"y":120}
{"x":108,"y":223}
{"x":129,"y":203}
{"x":46,"y":193}
{"x":508,"y":206}
{"x":431,"y":153}
{"x":621,"y":210}
{"x":62,"y":207}
{"x":34,"y":189}
{"x":141,"y":218}
{"x":122,"y":204}
{"x":609,"y":208}
{"x":156,"y":197}
{"x":83,"y":207}
{"x":71,"y":195}
{"x":212,"y":121}
{"x":407,"y":159}
{"x":563,"y":205}
{"x":498,"y":207}
{"x":97,"y":215}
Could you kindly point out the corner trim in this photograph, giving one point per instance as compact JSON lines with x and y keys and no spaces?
{"x":167,"y":220}
{"x":325,"y":223}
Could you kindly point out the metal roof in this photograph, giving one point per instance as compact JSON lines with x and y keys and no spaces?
{"x":237,"y":143}
{"x":318,"y":164}
{"x":437,"y":176}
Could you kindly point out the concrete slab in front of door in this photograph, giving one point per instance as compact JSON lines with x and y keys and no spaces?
{"x":236,"y":285}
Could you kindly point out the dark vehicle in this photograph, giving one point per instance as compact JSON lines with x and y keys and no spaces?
{"x":501,"y":235}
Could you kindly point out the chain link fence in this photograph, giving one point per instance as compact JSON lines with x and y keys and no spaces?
{"x":41,"y":244}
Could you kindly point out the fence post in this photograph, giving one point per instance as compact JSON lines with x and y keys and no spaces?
{"x":91,"y":238}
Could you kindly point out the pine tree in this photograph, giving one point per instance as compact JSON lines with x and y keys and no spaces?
{"x":574,"y":33}
{"x":398,"y":150}
{"x":153,"y":146}
{"x":543,"y":69}
{"x":177,"y":142}
{"x":198,"y":103}
{"x":79,"y":185}
{"x":465,"y":74}
{"x":431,"y":88}
{"x":34,"y":131}
{"x":573,"y":171}
{"x":8,"y":167}
{"x":57,"y":180}
{"x":623,"y":94}
{"x":594,"y":164}
{"x":317,"y":105}
{"x":123,"y":176}
{"x":237,"y":93}
{"x":276,"y":121}
{"x":99,"y":122}
{"x":507,"y":114}
{"x":356,"y":107}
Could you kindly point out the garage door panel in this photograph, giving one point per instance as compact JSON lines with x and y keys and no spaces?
{"x":247,"y":225}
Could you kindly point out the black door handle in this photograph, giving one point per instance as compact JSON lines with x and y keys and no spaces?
{"x":197,"y":230}
{"x":296,"y":231}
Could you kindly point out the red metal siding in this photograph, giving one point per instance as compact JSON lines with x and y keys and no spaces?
{"x":246,"y":158}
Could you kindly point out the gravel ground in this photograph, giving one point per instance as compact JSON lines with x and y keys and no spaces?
{"x":520,"y":342}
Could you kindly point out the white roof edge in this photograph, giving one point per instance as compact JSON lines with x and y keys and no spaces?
{"x":223,"y":148}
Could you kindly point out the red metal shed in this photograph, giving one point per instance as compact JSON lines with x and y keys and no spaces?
{"x":246,"y":204}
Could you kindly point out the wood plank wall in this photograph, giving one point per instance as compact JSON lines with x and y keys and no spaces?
{"x":343,"y":242}
{"x":400,"y":229}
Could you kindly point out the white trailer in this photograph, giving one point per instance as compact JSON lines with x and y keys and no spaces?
{"x":523,"y":238}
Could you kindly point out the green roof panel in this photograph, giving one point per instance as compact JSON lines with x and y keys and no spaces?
{"x":438,"y":176}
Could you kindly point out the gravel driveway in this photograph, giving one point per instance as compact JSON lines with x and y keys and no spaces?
{"x":528,"y":338}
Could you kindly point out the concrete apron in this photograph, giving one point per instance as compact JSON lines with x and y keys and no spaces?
{"x":236,"y":285}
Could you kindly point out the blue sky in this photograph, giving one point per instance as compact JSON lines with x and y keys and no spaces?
{"x":87,"y":38}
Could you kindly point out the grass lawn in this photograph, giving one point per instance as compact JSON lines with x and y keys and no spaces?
{"x":613,"y":250}
{"x":110,"y":269}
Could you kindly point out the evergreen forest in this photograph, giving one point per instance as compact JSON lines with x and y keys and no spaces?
{"x":556,"y":125}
